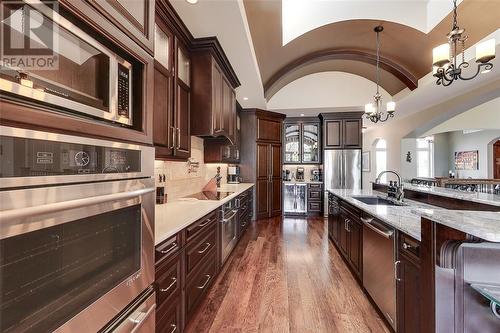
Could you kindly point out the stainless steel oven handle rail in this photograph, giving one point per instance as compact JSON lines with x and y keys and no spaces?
{"x":67,"y":205}
{"x":369,"y":224}
{"x":139,"y":320}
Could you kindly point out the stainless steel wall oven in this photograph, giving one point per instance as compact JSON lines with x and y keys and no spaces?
{"x":76,"y":230}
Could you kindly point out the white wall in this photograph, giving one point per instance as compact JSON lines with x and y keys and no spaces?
{"x":410,"y":127}
{"x":458,"y":141}
{"x":326,"y":89}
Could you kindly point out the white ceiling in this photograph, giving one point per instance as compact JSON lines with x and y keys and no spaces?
{"x":301,"y":16}
{"x":331,"y":89}
{"x":227,"y":20}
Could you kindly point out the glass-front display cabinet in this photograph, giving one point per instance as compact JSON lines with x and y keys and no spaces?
{"x":310,"y":143}
{"x":302,"y":140}
{"x":292,"y":143}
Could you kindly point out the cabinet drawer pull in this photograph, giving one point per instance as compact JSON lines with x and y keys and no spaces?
{"x":396,"y":271}
{"x":178,"y":138}
{"x":205,"y":249}
{"x":406,"y":246}
{"x":172,"y":128}
{"x":173,"y":246}
{"x":207,"y":221}
{"x":174,"y":328}
{"x":164,"y":290}
{"x":205,"y":283}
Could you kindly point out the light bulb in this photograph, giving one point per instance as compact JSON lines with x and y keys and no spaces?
{"x":485,"y":51}
{"x":391,"y":106}
{"x":441,"y":55}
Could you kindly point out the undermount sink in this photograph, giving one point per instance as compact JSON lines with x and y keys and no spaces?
{"x":370,"y":200}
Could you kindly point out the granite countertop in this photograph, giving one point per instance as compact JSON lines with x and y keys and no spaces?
{"x":176,"y":215}
{"x":484,"y":198}
{"x":485,"y":225}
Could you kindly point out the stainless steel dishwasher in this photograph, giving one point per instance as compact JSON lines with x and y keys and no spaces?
{"x":379,"y":266}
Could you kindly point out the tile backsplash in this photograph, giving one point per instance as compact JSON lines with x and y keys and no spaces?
{"x":179,"y":181}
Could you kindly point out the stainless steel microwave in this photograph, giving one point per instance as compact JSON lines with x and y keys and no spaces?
{"x":72,"y":71}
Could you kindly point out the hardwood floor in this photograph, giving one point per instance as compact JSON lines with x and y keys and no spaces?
{"x":286,"y":276}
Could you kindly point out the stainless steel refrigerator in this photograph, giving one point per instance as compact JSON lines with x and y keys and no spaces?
{"x":342,"y":169}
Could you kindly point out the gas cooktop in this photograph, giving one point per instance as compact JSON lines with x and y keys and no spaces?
{"x":210,"y":195}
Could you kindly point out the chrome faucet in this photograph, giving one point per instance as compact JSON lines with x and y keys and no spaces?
{"x":393,"y":190}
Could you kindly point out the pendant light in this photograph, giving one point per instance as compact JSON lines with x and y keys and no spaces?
{"x":373,"y":111}
{"x":445,"y":57}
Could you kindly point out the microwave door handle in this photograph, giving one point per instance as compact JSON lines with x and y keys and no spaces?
{"x":8,"y":215}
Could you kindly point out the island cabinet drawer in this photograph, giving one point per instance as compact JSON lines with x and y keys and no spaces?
{"x":199,"y":248}
{"x":168,"y":278}
{"x":202,"y":224}
{"x":198,"y":284}
{"x":169,"y":248}
{"x":409,"y":246}
{"x":169,"y":316}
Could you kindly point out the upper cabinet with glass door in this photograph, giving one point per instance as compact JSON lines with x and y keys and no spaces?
{"x":292,"y":143}
{"x":302,"y":140}
{"x":310,"y":143}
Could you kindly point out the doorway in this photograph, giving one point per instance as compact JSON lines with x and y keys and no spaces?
{"x":496,"y":160}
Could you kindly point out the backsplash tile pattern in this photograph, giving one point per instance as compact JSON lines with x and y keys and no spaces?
{"x":179,"y":182}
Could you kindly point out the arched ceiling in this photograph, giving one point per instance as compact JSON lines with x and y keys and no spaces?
{"x":408,"y":49}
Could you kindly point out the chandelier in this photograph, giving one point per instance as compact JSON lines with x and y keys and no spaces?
{"x":445,"y":57}
{"x":373,"y":111}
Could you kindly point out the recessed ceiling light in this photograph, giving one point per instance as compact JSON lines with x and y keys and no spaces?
{"x":192,"y":1}
{"x":302,"y":115}
{"x":245,"y":98}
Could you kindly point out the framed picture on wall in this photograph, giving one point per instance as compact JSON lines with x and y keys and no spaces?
{"x":365,"y":161}
{"x":467,"y":160}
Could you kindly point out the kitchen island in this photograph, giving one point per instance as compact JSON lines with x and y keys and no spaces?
{"x":482,"y":224}
{"x":422,"y":253}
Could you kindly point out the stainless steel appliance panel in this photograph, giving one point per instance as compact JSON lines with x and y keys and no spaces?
{"x":333,"y":169}
{"x":351,"y":170}
{"x":70,"y":213}
{"x":44,"y":155}
{"x":139,"y":317}
{"x":75,"y":251}
{"x":229,"y":228}
{"x":379,"y":267}
{"x":107,"y":91}
{"x":295,"y":198}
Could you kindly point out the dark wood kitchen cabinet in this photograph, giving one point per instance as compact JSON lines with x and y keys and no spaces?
{"x":408,"y":284}
{"x":213,"y":97}
{"x":187,"y":264}
{"x":171,"y":111}
{"x":261,"y":159}
{"x":314,"y":199}
{"x":334,"y":218}
{"x":350,"y":238}
{"x":134,"y":17}
{"x":342,"y":130}
{"x":220,"y":149}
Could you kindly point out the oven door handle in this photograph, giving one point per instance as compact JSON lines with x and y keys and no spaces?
{"x":71,"y":204}
{"x":139,"y":321}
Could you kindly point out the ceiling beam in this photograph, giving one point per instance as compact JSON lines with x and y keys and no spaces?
{"x":406,"y":77}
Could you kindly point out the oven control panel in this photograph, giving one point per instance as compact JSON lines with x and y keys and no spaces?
{"x":23,"y":157}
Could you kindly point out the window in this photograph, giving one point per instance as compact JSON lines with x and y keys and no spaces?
{"x":381,"y":158}
{"x":425,"y":157}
